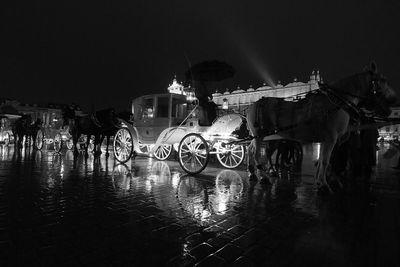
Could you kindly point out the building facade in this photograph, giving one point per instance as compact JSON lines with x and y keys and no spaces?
{"x":391,"y":132}
{"x":239,"y":99}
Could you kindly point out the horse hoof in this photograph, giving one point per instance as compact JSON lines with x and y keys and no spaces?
{"x":253,"y":178}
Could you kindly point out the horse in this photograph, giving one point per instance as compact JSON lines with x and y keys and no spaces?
{"x":94,"y":124}
{"x":322,"y":116}
{"x":24,"y":127}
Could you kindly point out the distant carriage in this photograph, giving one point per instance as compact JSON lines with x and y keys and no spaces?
{"x":167,"y":122}
{"x":6,"y":132}
{"x":8,"y":117}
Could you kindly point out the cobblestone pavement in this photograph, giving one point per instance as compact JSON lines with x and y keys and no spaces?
{"x":57,"y":212}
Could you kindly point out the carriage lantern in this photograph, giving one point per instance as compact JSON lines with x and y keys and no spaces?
{"x":225,"y":104}
{"x":190,"y":96}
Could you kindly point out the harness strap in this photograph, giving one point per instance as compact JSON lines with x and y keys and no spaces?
{"x":354,"y":112}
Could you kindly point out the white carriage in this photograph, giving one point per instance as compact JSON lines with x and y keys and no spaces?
{"x":167,"y":122}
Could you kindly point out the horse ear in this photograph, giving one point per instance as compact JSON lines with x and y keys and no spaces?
{"x":373,"y":67}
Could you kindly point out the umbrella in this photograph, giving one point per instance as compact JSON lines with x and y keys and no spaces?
{"x":212,"y":70}
{"x":9,"y":112}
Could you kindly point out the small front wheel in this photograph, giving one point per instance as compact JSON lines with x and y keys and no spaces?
{"x":230,"y":156}
{"x":193,"y":153}
{"x":70,"y":143}
{"x":57,"y":143}
{"x":123,"y":145}
{"x":39,"y":139}
{"x":163,"y":152}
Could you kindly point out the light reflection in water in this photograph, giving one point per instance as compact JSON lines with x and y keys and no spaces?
{"x":121,"y":178}
{"x":203,"y":198}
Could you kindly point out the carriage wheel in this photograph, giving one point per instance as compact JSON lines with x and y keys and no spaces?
{"x":163,"y":152}
{"x":70,"y":144}
{"x":6,"y":139}
{"x":57,"y":143}
{"x":123,"y":145}
{"x":39,"y":139}
{"x":193,"y":153}
{"x":230,"y":156}
{"x":91,"y":144}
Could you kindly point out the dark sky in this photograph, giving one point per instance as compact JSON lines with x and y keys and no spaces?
{"x":105,"y":53}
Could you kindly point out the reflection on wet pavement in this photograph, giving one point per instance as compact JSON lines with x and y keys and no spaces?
{"x":56,"y":210}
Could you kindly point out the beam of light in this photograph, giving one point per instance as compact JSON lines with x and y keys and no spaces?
{"x":257,"y":62}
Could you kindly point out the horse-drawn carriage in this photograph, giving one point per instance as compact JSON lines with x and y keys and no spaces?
{"x":6,"y":134}
{"x":56,"y":135}
{"x":8,"y":117}
{"x":164,"y":122}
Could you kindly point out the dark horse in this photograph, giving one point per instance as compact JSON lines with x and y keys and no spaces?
{"x":25,"y":127}
{"x":94,"y":124}
{"x":321,"y":117}
{"x":112,"y":128}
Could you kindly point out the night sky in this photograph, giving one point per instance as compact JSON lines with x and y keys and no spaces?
{"x":105,"y":53}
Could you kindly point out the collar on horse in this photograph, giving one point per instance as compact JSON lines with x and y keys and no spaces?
{"x":338,"y":100}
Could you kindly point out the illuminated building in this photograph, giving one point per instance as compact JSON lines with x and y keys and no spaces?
{"x":239,"y":99}
{"x":391,"y":132}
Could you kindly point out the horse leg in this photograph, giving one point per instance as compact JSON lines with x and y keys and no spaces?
{"x":97,"y":145}
{"x":326,"y":150}
{"x":20,"y":141}
{"x":108,"y":143}
{"x":87,"y":145}
{"x":250,"y":161}
{"x":257,"y":160}
{"x":269,"y":153}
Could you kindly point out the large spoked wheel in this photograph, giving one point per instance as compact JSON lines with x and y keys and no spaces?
{"x":163,"y":152}
{"x":123,"y":145}
{"x":230,"y":156}
{"x":193,"y":153}
{"x":6,"y":139}
{"x":39,"y":139}
{"x":70,"y":144}
{"x":57,"y":143}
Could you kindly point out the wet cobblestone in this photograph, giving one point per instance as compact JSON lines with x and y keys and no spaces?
{"x":55,"y":211}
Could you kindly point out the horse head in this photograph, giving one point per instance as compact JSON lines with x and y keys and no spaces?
{"x":379,"y":95}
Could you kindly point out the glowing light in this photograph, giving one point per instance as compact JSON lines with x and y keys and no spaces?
{"x":225,"y":104}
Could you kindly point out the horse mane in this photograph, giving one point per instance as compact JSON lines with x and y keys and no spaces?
{"x":351,"y":84}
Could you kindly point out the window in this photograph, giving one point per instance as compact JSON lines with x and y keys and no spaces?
{"x":148,"y":108}
{"x":178,"y":109}
{"x":162,"y":108}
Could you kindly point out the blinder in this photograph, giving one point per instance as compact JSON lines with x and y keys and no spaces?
{"x":375,"y":99}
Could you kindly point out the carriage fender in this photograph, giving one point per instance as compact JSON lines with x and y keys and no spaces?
{"x":170,"y":136}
